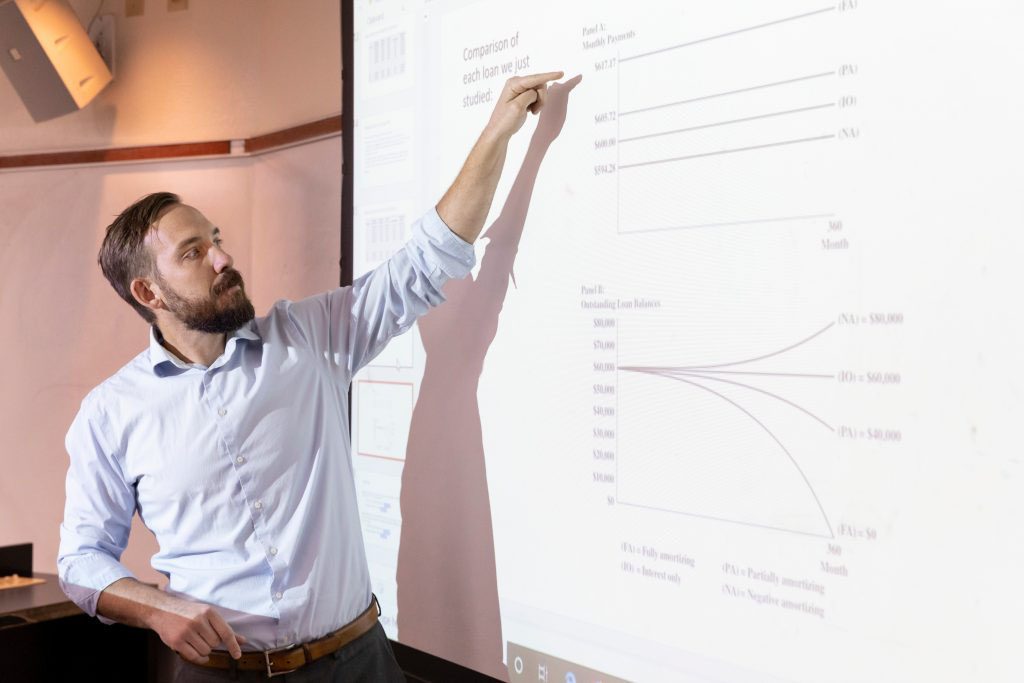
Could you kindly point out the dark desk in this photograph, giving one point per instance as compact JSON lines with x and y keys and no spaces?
{"x":45,"y":637}
{"x":41,"y":602}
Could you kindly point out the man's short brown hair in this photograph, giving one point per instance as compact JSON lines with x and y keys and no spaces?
{"x":124,"y":255}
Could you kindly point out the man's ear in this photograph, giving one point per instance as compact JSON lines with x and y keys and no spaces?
{"x":147,"y":293}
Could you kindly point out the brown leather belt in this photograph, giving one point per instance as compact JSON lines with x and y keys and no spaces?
{"x":290,"y":658}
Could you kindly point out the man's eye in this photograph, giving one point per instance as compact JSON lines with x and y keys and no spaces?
{"x":191,"y":254}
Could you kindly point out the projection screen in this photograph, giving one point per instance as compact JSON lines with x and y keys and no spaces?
{"x":730,"y":393}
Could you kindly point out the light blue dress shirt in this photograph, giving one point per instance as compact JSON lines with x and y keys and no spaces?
{"x":242,"y":470}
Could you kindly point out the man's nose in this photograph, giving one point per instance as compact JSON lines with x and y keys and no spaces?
{"x":221,"y":259}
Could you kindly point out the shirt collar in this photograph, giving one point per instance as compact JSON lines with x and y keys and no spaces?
{"x":164,"y":362}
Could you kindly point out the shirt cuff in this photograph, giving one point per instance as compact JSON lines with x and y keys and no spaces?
{"x":455,"y":257}
{"x":83,"y":578}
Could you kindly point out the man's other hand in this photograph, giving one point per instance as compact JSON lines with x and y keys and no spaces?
{"x":520,"y":95}
{"x":193,"y":629}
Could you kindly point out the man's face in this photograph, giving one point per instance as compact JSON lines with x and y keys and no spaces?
{"x":195,"y":275}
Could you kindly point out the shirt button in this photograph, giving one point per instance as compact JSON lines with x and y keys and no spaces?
{"x":273,"y":551}
{"x":222,"y":412}
{"x":278,"y":596}
{"x":258,"y":504}
{"x":239,"y":460}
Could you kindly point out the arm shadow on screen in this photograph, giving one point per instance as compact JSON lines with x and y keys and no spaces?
{"x":447,"y":580}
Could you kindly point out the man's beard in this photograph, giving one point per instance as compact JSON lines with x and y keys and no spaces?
{"x":210,"y":315}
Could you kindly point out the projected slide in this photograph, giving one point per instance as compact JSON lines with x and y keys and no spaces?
{"x":731,"y":394}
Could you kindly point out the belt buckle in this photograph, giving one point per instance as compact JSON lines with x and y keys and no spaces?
{"x":266,"y":657}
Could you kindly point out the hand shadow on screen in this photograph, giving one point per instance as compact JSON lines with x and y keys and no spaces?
{"x":447,"y":582}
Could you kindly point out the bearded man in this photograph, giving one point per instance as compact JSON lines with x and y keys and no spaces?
{"x":230,"y":437}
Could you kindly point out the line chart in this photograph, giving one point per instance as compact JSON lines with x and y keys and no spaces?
{"x":728,"y":34}
{"x":753,"y":142}
{"x":651,"y":480}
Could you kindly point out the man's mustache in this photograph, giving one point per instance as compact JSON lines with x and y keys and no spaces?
{"x":227,"y":279}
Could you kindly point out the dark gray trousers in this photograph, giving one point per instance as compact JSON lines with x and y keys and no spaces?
{"x":367,"y":658}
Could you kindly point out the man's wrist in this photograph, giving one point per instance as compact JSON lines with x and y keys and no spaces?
{"x":494,"y":136}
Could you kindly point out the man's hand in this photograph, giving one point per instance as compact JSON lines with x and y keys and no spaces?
{"x":190,"y":628}
{"x":193,"y":629}
{"x":520,"y":95}
{"x":464,"y":206}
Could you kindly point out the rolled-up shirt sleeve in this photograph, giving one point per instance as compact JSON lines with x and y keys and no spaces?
{"x":97,"y":514}
{"x":351,"y":325}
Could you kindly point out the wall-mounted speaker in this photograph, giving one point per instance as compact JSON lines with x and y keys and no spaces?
{"x":48,"y":57}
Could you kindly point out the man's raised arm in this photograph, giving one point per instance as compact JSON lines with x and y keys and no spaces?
{"x":465,"y":205}
{"x":356,"y":323}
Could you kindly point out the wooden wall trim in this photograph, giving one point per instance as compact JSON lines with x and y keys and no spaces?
{"x":120,"y":154}
{"x":290,"y":136}
{"x":259,"y":144}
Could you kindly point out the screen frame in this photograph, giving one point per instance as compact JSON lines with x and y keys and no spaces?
{"x":347,"y":156}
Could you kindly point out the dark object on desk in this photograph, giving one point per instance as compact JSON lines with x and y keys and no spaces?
{"x":16,"y":559}
{"x":11,"y":620}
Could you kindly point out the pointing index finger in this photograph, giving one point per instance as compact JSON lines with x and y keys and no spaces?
{"x":533,"y":80}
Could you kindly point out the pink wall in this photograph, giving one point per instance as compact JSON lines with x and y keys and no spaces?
{"x":65,"y":330}
{"x":296,"y":222}
{"x":224,"y":69}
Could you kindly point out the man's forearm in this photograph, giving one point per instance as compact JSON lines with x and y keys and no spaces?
{"x":191,"y":629}
{"x":465,"y":205}
{"x":128,"y":601}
